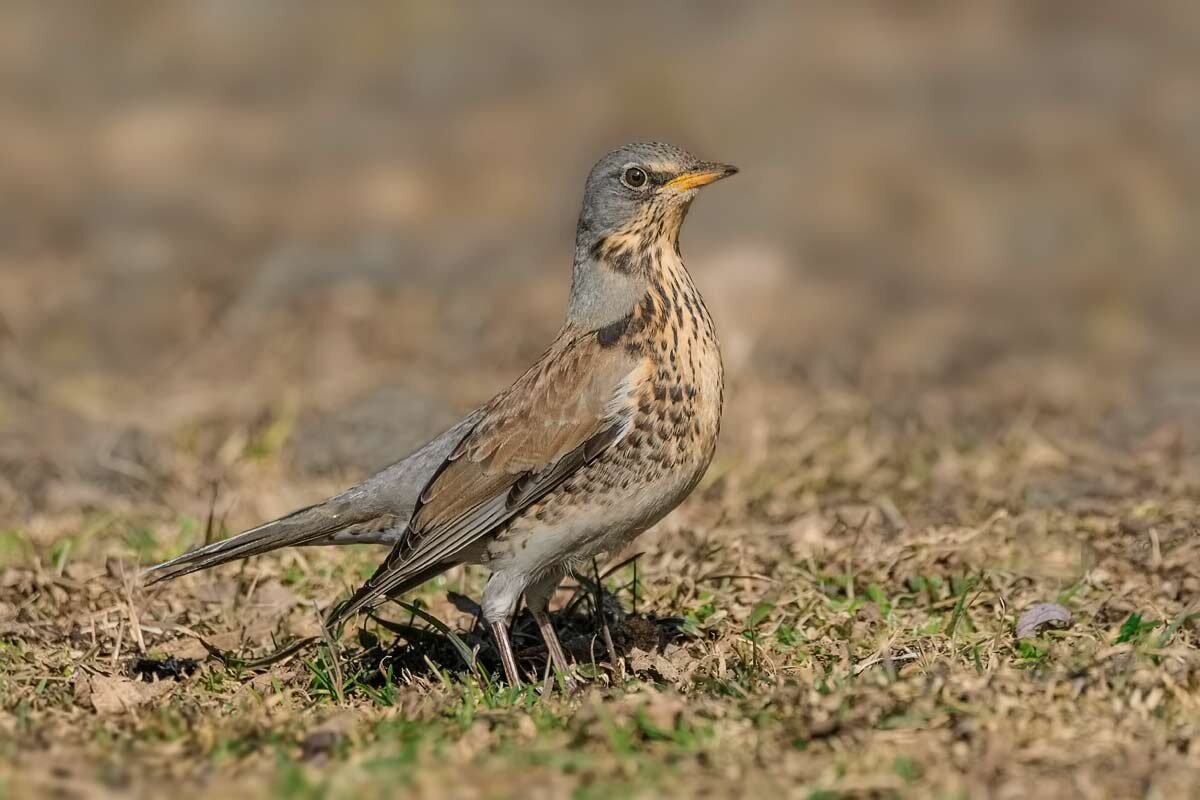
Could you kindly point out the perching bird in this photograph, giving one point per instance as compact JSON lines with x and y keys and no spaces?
{"x":604,"y":435}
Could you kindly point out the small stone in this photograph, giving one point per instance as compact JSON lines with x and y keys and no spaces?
{"x":1041,"y":616}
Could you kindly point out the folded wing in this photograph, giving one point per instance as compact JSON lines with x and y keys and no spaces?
{"x":571,"y":406}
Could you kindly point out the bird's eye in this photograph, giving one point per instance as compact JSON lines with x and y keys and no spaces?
{"x":634,"y":177}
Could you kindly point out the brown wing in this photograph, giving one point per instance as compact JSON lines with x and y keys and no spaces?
{"x":574,"y":403}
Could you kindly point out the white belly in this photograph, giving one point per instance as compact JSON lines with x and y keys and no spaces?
{"x":601,"y":526}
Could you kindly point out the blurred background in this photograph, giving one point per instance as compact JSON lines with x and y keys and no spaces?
{"x":267,"y":244}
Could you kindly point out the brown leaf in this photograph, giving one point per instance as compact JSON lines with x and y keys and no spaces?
{"x":641,"y":661}
{"x":271,"y":596}
{"x":118,"y":695}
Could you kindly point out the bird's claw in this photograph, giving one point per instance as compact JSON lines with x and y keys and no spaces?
{"x":570,"y":683}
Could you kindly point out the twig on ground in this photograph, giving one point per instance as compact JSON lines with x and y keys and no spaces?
{"x":618,"y":666}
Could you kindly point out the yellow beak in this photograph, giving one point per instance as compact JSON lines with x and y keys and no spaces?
{"x":701,"y":176}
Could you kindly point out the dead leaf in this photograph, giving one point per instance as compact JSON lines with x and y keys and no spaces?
{"x":272,"y":598}
{"x":117,"y":695}
{"x":641,"y":661}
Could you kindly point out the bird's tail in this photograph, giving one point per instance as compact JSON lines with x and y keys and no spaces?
{"x":375,"y":511}
{"x":305,"y":526}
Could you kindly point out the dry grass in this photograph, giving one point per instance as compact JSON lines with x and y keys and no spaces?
{"x":794,"y":631}
{"x":957,"y":294}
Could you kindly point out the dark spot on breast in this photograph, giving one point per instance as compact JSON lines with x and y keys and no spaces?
{"x":662,"y":296}
{"x":621,"y":260}
{"x":597,"y":250}
{"x":648,"y":309}
{"x":611,"y":333}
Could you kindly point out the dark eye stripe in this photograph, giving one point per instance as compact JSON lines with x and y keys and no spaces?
{"x":658,"y":178}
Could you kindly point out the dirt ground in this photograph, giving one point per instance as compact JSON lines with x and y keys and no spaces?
{"x":251,"y":251}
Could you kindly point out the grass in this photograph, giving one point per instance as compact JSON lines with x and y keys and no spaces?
{"x":869,"y":662}
{"x":256,"y":253}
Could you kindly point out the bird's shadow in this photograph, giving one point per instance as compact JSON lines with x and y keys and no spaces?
{"x":595,"y":629}
{"x":592,"y":638}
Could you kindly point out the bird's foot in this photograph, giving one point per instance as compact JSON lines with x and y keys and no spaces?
{"x":569,"y":682}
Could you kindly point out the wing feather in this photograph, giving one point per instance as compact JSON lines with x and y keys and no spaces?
{"x":572,"y":405}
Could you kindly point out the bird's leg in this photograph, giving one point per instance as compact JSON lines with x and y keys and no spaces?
{"x":500,"y":598}
{"x":537,"y":597}
{"x":500,"y":634}
{"x":558,"y":658}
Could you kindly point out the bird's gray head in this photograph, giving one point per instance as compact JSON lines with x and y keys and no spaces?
{"x":643,"y":187}
{"x":634,"y":203}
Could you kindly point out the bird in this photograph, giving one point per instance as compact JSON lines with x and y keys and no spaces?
{"x":606,"y":433}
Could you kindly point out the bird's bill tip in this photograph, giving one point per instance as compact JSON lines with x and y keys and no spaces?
{"x":701,"y":176}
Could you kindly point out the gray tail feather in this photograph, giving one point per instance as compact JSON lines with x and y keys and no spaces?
{"x":298,"y":528}
{"x":375,"y":511}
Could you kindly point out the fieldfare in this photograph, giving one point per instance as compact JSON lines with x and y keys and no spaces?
{"x":604,"y":435}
